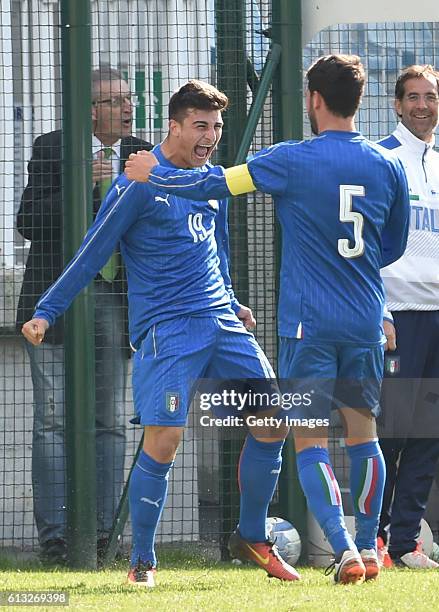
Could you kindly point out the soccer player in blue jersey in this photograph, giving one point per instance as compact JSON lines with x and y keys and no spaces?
{"x":185,"y":324}
{"x":343,"y":206}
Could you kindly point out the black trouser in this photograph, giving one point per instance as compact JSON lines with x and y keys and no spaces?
{"x":409,"y":426}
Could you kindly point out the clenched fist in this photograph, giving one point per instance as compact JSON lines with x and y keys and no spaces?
{"x":139,"y":166}
{"x":34,"y":330}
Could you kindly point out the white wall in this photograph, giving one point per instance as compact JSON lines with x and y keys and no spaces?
{"x":6,"y":138}
{"x":318,"y":14}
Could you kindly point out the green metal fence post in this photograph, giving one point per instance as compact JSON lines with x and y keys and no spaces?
{"x":79,"y":340}
{"x":259,"y":99}
{"x":288,"y":92}
{"x":121,"y":515}
{"x":288,"y":124}
{"x":232,"y":79}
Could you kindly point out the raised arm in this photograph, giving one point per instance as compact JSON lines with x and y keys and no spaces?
{"x":196,"y":184}
{"x":266,"y":171}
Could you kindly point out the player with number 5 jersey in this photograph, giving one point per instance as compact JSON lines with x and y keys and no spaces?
{"x":343,"y":206}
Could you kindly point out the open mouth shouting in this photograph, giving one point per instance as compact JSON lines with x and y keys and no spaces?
{"x":203,"y":152}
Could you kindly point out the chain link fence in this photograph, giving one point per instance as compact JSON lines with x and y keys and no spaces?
{"x":156,"y":45}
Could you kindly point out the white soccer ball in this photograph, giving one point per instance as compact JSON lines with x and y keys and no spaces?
{"x":286,"y":537}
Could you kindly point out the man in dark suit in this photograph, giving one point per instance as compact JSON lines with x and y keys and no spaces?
{"x":40,"y":220}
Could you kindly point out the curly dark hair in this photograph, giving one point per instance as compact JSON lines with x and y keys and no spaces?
{"x":196,"y":95}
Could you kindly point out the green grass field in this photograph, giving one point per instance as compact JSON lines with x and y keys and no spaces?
{"x":189,"y":584}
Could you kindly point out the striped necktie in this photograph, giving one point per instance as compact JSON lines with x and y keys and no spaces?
{"x":111,"y":268}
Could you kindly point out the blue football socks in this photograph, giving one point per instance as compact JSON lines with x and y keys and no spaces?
{"x":259,"y":469}
{"x":147,"y":494}
{"x":323,"y":496}
{"x":367,"y":479}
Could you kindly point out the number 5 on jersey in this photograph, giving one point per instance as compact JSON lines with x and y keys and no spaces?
{"x":347,"y":215}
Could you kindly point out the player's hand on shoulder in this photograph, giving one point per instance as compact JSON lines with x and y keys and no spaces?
{"x":34,"y":330}
{"x":390,"y":333}
{"x":139,"y":165}
{"x":246,"y":316}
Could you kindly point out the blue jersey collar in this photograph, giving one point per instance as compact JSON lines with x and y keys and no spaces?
{"x":341,"y":134}
{"x":164,"y":161}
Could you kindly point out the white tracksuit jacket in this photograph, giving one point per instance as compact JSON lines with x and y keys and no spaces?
{"x":412,"y":282}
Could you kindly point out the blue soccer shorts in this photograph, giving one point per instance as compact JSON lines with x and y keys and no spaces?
{"x":331,"y":376}
{"x":177,"y":353}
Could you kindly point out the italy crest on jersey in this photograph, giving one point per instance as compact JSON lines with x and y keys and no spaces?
{"x":172,"y":402}
{"x":392,"y":366}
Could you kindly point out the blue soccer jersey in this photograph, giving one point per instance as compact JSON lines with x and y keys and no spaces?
{"x":175,"y":252}
{"x":343,"y":206}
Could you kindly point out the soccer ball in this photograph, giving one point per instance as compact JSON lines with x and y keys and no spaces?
{"x":286,"y":537}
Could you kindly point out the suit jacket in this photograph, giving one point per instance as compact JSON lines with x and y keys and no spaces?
{"x":40,"y":219}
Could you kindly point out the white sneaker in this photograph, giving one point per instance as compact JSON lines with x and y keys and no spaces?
{"x":371,"y":563}
{"x":418,"y":560}
{"x":350,"y":569}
